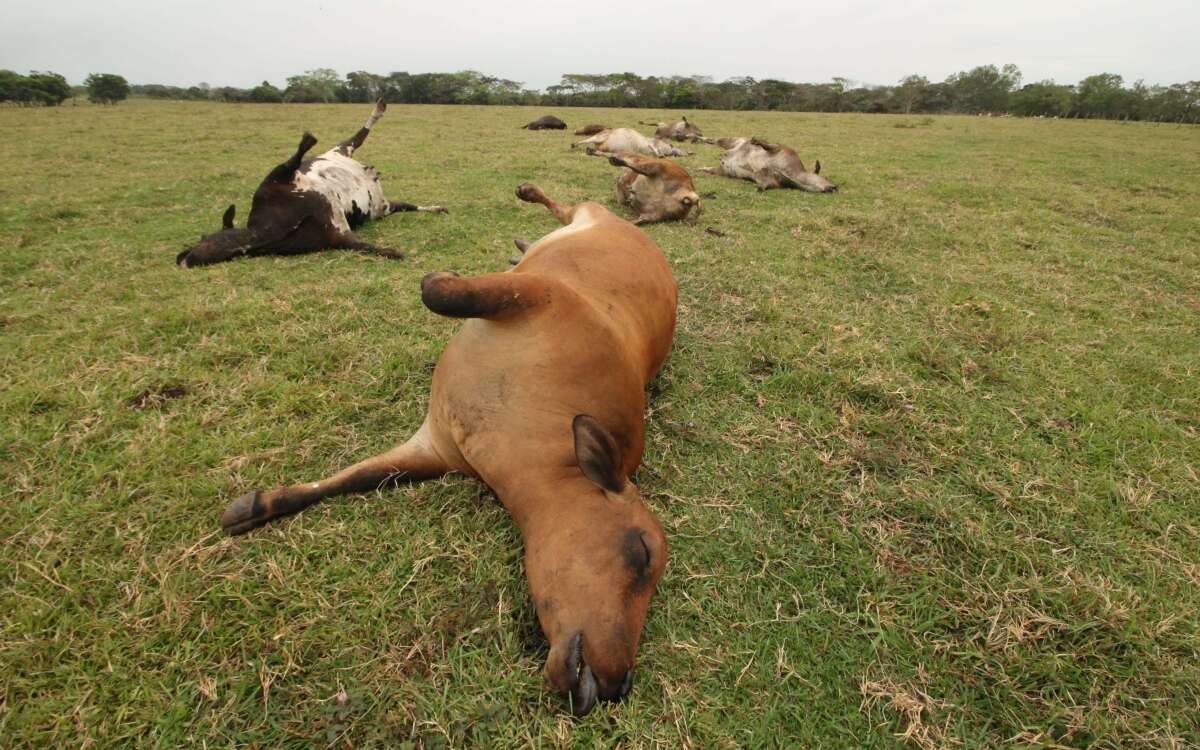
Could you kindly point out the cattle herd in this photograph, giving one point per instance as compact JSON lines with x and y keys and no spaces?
{"x":541,"y":393}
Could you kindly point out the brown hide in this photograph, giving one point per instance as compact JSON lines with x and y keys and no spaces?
{"x":591,"y":129}
{"x":541,"y":395}
{"x":680,"y":130}
{"x":768,"y":165}
{"x":656,"y":189}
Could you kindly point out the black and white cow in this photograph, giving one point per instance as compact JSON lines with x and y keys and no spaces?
{"x":303,"y":206}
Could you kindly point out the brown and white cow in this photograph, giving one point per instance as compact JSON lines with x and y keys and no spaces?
{"x":547,"y":122}
{"x":768,"y":165}
{"x":616,"y":140}
{"x":541,"y":395}
{"x":656,"y":189}
{"x":303,"y":206}
{"x":680,"y":130}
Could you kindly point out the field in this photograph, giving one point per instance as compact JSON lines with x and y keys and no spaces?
{"x":925,"y":450}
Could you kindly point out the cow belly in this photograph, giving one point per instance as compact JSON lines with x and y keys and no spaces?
{"x":350,"y":189}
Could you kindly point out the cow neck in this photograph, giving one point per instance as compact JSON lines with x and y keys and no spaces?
{"x":540,"y":500}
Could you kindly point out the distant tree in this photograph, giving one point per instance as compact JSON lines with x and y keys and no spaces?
{"x":12,"y":85}
{"x":50,"y":89}
{"x":106,"y":88}
{"x":265,"y":93}
{"x":1179,"y":102}
{"x":231,"y":94}
{"x":911,"y":91}
{"x":1102,"y":95}
{"x":983,"y":89}
{"x":1045,"y":98}
{"x":319,"y":85}
{"x":361,"y":86}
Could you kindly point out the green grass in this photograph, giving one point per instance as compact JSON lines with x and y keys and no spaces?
{"x":925,"y":450}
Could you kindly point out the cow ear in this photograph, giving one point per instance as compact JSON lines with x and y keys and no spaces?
{"x":685,"y":119}
{"x":597,"y":453}
{"x":817,"y":168}
{"x":227,"y":219}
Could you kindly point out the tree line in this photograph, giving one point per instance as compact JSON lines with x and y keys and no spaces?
{"x":986,"y":89}
{"x":51,"y":89}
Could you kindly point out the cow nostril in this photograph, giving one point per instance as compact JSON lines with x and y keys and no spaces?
{"x":626,"y":685}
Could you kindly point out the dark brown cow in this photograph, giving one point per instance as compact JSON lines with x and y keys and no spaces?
{"x":303,"y":206}
{"x":541,"y":394}
{"x":656,"y":189}
{"x":768,"y":165}
{"x":591,"y":129}
{"x":680,"y":130}
{"x":549,"y":122}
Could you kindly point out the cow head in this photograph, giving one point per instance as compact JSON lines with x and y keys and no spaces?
{"x":230,"y":242}
{"x":686,"y":131}
{"x":592,"y":570}
{"x":221,"y":245}
{"x":801,"y":179}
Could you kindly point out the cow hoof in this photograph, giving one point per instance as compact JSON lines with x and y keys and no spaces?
{"x":243,"y":514}
{"x":529,"y":192}
{"x":514,"y":260}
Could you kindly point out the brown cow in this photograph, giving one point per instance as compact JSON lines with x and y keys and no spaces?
{"x":591,"y":129}
{"x":680,"y":130}
{"x":547,"y":122}
{"x":541,"y":395}
{"x":657,"y":189}
{"x":303,"y":206}
{"x":617,"y":140}
{"x":768,"y":165}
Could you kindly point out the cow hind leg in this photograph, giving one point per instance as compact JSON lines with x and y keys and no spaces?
{"x":286,"y":171}
{"x":412,"y":461}
{"x":354,"y":142}
{"x":531,"y":193}
{"x":493,"y":296}
{"x":395,"y":207}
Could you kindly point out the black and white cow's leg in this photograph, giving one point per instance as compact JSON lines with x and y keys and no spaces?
{"x":348,"y":146}
{"x":395,"y":207}
{"x":286,"y":171}
{"x":348,"y":241}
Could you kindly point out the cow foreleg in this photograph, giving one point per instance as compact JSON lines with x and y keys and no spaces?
{"x":414,"y":460}
{"x":350,"y":242}
{"x":348,"y":146}
{"x":531,"y":193}
{"x":492,"y":295}
{"x":398,"y":206}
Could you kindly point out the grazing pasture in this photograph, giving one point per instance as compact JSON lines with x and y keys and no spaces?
{"x":926,"y":450}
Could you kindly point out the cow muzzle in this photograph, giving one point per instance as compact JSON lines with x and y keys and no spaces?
{"x":576,"y":679}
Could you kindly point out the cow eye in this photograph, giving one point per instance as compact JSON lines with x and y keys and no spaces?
{"x":636,"y":551}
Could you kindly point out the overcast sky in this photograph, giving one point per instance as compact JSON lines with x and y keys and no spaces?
{"x":223,"y":42}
